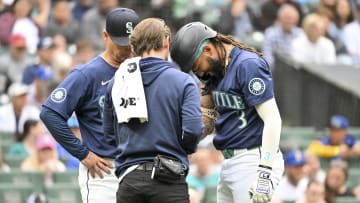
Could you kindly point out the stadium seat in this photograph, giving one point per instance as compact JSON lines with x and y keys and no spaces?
{"x":346,"y":200}
{"x":64,"y":193}
{"x":10,"y":193}
{"x":354,"y":177}
{"x":70,"y":177}
{"x":17,"y":177}
{"x":297,"y":137}
{"x":6,"y":138}
{"x":13,"y":162}
{"x":355,"y":131}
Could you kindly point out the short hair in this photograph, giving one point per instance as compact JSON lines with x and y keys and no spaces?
{"x":311,"y":21}
{"x":148,"y":35}
{"x":287,"y":7}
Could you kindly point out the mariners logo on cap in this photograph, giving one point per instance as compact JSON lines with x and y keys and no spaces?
{"x":257,"y":86}
{"x":58,"y":95}
{"x":129,"y":27}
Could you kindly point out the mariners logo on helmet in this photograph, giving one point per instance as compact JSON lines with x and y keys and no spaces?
{"x":256,"y":86}
{"x":58,"y":95}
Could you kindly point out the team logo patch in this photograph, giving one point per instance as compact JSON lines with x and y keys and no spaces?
{"x":132,"y":67}
{"x":257,"y":86}
{"x":129,"y":27}
{"x":58,"y":95}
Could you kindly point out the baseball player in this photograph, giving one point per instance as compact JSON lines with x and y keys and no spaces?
{"x":170,"y":125}
{"x":83,"y":92}
{"x":248,"y":124}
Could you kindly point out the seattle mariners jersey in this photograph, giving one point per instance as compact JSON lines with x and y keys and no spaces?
{"x":247,"y":82}
{"x":83,"y":92}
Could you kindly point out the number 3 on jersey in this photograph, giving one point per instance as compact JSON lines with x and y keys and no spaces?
{"x":242,"y":119}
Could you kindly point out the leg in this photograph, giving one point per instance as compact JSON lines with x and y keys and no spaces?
{"x":224,"y":194}
{"x":131,"y":188}
{"x":243,"y":173}
{"x":176,"y":192}
{"x":96,"y":190}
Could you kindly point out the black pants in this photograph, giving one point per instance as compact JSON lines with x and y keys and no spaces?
{"x":138,"y":187}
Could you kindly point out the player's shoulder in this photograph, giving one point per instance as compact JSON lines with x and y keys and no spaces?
{"x":92,"y":67}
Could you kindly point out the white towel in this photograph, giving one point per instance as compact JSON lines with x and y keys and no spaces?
{"x":128,"y":92}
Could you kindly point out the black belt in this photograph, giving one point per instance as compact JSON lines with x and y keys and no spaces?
{"x":145,"y":166}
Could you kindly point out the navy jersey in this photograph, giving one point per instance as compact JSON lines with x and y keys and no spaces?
{"x":83,"y":92}
{"x":247,"y":82}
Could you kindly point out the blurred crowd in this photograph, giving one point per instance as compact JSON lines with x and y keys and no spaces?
{"x":41,"y":41}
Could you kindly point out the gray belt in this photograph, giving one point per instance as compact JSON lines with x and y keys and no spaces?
{"x":145,"y":166}
{"x":228,"y":153}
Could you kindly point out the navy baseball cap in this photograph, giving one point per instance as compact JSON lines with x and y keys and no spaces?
{"x":357,"y":4}
{"x":46,"y":43}
{"x":294,"y":158}
{"x":339,"y":122}
{"x":120,"y":22}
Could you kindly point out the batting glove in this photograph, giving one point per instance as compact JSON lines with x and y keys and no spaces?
{"x":262,"y":189}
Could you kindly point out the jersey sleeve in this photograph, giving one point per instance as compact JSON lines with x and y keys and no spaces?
{"x":256,"y":82}
{"x":109,"y":119}
{"x":68,"y":94}
{"x":192,"y":125}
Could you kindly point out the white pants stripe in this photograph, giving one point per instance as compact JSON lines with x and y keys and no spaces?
{"x":238,"y":173}
{"x":97,"y":190}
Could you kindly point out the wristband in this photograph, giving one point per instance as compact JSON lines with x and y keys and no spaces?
{"x":210,"y":113}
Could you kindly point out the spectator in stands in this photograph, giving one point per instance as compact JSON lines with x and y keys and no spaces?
{"x":41,"y":12}
{"x":315,"y":193}
{"x":204,"y":177}
{"x":24,"y":24}
{"x":239,"y":19}
{"x":62,"y":22}
{"x":329,"y":32}
{"x":14,"y":114}
{"x":80,"y":8}
{"x":327,"y":5}
{"x":70,"y":161}
{"x":2,"y":6}
{"x":13,"y":63}
{"x":343,"y":16}
{"x":351,"y":34}
{"x":338,"y":144}
{"x":279,"y":36}
{"x":3,"y":166}
{"x":62,"y":65}
{"x":313,"y":47}
{"x":7,"y":21}
{"x":39,"y":89}
{"x":45,"y":159}
{"x":94,"y":22}
{"x":60,"y":44}
{"x":269,"y":10}
{"x":313,"y":168}
{"x":26,"y":144}
{"x":293,"y":185}
{"x":46,"y":48}
{"x":335,"y":182}
{"x":84,"y":51}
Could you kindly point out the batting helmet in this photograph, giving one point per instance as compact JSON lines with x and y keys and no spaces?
{"x":186,"y":42}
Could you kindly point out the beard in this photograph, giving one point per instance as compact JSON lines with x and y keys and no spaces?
{"x":212,"y":78}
